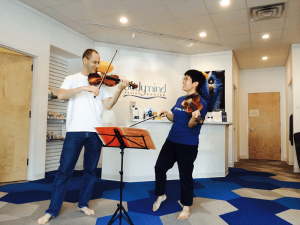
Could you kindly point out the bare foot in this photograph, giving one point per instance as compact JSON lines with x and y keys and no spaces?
{"x":159,"y":200}
{"x":185,"y":213}
{"x":44,"y":219}
{"x":87,"y":211}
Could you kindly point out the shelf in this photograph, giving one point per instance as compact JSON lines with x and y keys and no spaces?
{"x":50,"y":140}
{"x":56,"y":121}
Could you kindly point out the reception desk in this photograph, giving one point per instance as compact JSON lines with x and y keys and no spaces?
{"x":212,"y":159}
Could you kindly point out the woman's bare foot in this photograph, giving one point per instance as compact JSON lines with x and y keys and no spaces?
{"x":185,"y":213}
{"x":44,"y":219}
{"x":159,"y":200}
{"x":86,"y":211}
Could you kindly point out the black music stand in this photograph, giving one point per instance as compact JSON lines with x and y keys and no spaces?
{"x":122,"y":146}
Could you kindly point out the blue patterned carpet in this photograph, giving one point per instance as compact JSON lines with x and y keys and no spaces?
{"x":235,"y":189}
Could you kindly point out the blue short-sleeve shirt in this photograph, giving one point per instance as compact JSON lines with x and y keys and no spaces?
{"x":180,"y":131}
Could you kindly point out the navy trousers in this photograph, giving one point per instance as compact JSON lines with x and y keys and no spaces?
{"x":184,"y":155}
{"x":69,"y":156}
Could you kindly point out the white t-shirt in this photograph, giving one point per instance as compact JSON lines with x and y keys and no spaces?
{"x":84,"y":111}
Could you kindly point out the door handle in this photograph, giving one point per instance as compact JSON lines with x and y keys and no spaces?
{"x":251,"y":129}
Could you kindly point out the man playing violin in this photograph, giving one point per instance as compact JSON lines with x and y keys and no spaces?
{"x":84,"y":113}
{"x":181,"y":145}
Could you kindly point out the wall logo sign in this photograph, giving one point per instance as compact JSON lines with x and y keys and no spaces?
{"x":147,"y":91}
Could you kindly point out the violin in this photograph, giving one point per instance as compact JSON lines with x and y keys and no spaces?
{"x":110,"y":81}
{"x":191,"y":104}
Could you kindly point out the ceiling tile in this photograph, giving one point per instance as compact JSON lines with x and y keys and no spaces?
{"x":172,"y":1}
{"x":126,"y":42}
{"x":242,"y":47}
{"x":132,"y":20}
{"x":153,"y":15}
{"x":290,"y":41}
{"x":34,"y":4}
{"x":230,"y":18}
{"x":112,"y":34}
{"x":75,"y":26}
{"x":238,"y":39}
{"x":55,"y":15}
{"x":148,"y":40}
{"x":140,"y":4}
{"x":254,"y":3}
{"x":165,"y":30}
{"x":214,"y":6}
{"x":210,"y":34}
{"x":273,"y":36}
{"x":292,"y":22}
{"x":262,"y":45}
{"x":93,"y":27}
{"x":106,"y":8}
{"x":196,"y":23}
{"x":184,"y":49}
{"x":232,"y":30}
{"x":95,"y":37}
{"x":57,"y":2}
{"x":290,"y":33}
{"x":266,"y":25}
{"x":76,"y":11}
{"x":293,"y":8}
{"x":187,"y":9}
{"x":205,"y":48}
{"x":164,"y":47}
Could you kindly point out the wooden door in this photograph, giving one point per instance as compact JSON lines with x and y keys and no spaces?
{"x":264,"y":126}
{"x":15,"y":93}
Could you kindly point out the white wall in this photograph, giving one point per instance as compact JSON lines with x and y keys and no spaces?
{"x":289,"y":108}
{"x":296,"y":93}
{"x":256,"y":81}
{"x":151,"y":68}
{"x":220,"y":61}
{"x":24,"y":29}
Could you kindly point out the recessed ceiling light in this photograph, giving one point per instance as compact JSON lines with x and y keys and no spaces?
{"x":123,"y":20}
{"x":224,"y":2}
{"x":202,"y":34}
{"x":265,"y":36}
{"x":264,"y":58}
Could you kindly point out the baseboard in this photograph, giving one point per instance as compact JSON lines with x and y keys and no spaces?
{"x":79,"y":167}
{"x":39,"y":176}
{"x":297,"y":170}
{"x":230,"y":164}
{"x":244,"y":157}
{"x":291,"y":163}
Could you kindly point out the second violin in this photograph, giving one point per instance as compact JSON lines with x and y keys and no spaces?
{"x":193,"y":103}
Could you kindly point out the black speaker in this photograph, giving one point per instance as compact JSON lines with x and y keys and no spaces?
{"x":297,"y":146}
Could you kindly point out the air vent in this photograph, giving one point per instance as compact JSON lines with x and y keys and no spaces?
{"x":267,"y":12}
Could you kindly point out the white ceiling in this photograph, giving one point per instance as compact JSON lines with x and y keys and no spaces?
{"x":229,"y":26}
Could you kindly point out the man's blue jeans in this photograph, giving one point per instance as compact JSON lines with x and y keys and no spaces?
{"x":70,"y":153}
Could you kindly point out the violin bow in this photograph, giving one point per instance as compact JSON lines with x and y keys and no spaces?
{"x":107,"y":70}
{"x":152,"y":117}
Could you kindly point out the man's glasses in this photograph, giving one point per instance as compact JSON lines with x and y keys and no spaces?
{"x":95,"y":62}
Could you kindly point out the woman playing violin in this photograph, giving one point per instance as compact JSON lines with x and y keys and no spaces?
{"x":83,"y":115}
{"x":182,"y":142}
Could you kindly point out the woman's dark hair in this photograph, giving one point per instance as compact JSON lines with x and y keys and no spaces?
{"x":196,"y":76}
{"x":88,"y":53}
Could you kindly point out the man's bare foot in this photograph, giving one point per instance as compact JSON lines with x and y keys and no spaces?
{"x":185,"y":213}
{"x":86,"y":211}
{"x":159,"y":200}
{"x":44,"y":219}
